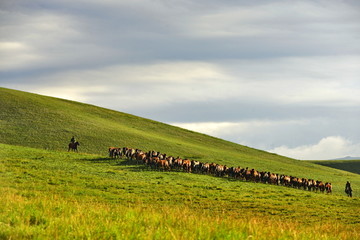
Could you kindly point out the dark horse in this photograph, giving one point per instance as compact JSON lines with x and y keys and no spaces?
{"x":73,"y":146}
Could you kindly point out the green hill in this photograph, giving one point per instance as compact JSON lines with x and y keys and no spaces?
{"x":50,"y":193}
{"x":38,"y":121}
{"x":44,"y":122}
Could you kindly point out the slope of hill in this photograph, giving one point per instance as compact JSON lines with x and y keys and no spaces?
{"x":38,"y":121}
{"x":44,"y":122}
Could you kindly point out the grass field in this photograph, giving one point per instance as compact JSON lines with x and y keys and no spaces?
{"x":47,"y":192}
{"x":69,"y":195}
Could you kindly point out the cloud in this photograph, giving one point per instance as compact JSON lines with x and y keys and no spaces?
{"x":258,"y":133}
{"x":254,"y":133}
{"x":134,"y":86}
{"x":261,"y":73}
{"x":327,"y":148}
{"x":16,"y":55}
{"x":320,"y":80}
{"x":270,"y":135}
{"x":38,"y":39}
{"x":282,"y":82}
{"x":84,"y":34}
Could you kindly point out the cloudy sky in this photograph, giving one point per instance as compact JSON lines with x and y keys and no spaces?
{"x":282,"y":76}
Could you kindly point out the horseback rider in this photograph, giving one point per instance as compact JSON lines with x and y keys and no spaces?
{"x":348,"y":189}
{"x":73,"y":144}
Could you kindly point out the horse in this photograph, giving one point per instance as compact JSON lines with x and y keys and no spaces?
{"x":187,"y":165}
{"x":163,"y":165}
{"x":140,"y":156}
{"x":328,"y":187}
{"x":273,"y":178}
{"x":321,"y":186}
{"x":73,"y":146}
{"x":285,"y":180}
{"x":255,"y":175}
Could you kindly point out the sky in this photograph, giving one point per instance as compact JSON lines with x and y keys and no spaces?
{"x":281,"y":76}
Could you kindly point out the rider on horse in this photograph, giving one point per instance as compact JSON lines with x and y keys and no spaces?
{"x":348,"y":189}
{"x":73,"y":144}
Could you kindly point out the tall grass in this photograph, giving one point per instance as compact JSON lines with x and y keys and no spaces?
{"x":56,"y":217}
{"x":60,"y":195}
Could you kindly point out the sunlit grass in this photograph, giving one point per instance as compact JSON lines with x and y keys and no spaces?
{"x":44,"y":216}
{"x":60,"y":195}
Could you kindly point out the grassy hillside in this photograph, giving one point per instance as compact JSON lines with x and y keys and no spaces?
{"x":60,"y":195}
{"x":47,"y":191}
{"x":44,"y":122}
{"x":346,"y":165}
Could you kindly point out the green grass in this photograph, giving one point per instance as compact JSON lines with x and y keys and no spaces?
{"x":47,"y":192}
{"x":68,"y":195}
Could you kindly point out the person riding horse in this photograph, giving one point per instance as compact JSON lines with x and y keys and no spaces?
{"x":73,"y":144}
{"x":348,"y":189}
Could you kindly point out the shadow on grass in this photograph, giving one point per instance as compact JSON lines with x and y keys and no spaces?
{"x":98,"y":160}
{"x":131,"y":165}
{"x":134,"y":166}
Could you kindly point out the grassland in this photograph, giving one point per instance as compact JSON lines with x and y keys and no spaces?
{"x":47,"y":192}
{"x":68,"y":195}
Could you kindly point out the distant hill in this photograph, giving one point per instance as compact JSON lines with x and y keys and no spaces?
{"x":346,"y":165}
{"x":347,"y":158}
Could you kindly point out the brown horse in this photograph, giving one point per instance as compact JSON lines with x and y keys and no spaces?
{"x":328,"y":187}
{"x":73,"y":146}
{"x":187,"y":165}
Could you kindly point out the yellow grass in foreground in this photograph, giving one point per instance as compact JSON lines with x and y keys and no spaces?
{"x":38,"y":216}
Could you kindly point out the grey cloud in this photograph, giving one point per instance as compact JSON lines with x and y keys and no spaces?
{"x":246,"y":61}
{"x":112,"y":32}
{"x":240,"y":110}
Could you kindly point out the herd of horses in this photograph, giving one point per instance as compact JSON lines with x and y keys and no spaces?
{"x":162,"y":162}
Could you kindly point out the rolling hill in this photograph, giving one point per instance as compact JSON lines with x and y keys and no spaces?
{"x":57,"y":194}
{"x":38,"y":121}
{"x":44,"y":122}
